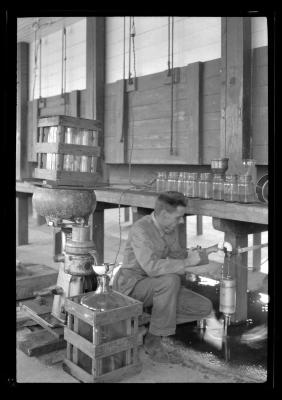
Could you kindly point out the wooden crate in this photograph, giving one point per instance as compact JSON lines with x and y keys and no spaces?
{"x":90,"y":358}
{"x":68,"y":154}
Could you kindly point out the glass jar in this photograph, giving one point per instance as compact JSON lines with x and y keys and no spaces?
{"x":180,"y":182}
{"x":246,"y":189}
{"x":191,"y":184}
{"x":218,"y":187}
{"x":205,"y":185}
{"x":250,"y":169}
{"x":161,"y":182}
{"x":172,"y":181}
{"x":231,"y":188}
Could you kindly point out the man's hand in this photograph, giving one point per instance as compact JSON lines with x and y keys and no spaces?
{"x":193,"y":258}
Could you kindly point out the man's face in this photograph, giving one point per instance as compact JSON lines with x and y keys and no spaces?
{"x":169,"y":221}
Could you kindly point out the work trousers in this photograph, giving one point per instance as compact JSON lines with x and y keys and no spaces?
{"x":171,"y":303}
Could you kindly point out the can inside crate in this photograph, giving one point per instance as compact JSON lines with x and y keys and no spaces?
{"x":67,"y":150}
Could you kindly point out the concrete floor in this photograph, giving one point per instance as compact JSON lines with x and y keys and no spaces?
{"x":196,"y":366}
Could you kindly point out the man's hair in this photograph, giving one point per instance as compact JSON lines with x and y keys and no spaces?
{"x":169,"y":201}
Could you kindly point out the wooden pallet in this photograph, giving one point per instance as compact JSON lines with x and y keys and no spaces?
{"x":90,"y":356}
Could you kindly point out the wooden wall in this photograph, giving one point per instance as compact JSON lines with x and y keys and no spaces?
{"x":155,"y":102}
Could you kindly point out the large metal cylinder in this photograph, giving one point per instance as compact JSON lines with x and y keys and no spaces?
{"x":227,"y":298}
{"x":57,"y":204}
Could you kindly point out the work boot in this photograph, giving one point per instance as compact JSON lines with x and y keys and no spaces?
{"x":157,"y":352}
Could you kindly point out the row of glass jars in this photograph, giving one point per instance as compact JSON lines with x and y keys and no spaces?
{"x":206,"y":185}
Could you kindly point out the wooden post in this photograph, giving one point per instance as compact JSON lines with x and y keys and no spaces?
{"x":139,"y":212}
{"x":256,"y":253}
{"x":98,"y":230}
{"x":22,"y":218}
{"x":126,"y":214}
{"x":182,"y":232}
{"x":199,"y":225}
{"x":95,"y":82}
{"x":22,"y":166}
{"x":235,"y":91}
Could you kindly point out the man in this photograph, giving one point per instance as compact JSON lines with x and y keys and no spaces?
{"x":152,"y":266}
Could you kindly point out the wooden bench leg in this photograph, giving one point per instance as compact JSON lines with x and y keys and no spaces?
{"x":21,"y":219}
{"x":256,"y":253}
{"x":199,"y":225}
{"x":97,"y":222}
{"x":126,"y":214}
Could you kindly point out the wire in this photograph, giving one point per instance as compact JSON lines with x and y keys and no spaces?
{"x":168,"y":50}
{"x":129,"y":52}
{"x":172,"y":85}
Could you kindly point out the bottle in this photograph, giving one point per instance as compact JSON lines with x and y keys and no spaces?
{"x":105,"y":299}
{"x":231,"y":188}
{"x":218,"y":187}
{"x":191,"y":184}
{"x":246,"y":189}
{"x":160,"y":182}
{"x":180,"y":182}
{"x":205,"y":185}
{"x":172,"y":181}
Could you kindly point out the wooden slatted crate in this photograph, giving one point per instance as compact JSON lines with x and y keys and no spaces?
{"x":67,"y":150}
{"x":91,"y":357}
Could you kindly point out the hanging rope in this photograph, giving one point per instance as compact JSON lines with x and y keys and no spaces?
{"x":40,"y":67}
{"x":133,"y":33}
{"x":172,"y":87}
{"x":168,"y":50}
{"x":129,"y":51}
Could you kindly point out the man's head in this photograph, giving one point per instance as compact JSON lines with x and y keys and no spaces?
{"x":169,"y":210}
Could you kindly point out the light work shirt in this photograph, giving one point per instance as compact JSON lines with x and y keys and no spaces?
{"x":149,"y":252}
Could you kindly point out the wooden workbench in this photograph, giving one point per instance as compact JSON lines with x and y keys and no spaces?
{"x":234,"y":219}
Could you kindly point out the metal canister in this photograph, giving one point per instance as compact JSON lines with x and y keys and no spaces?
{"x":227,"y":300}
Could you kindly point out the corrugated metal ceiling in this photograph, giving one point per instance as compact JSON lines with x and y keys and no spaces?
{"x":26,"y":26}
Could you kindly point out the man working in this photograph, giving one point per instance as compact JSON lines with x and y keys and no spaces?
{"x":152,"y":266}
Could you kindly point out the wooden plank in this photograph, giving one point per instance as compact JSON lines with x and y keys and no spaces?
{"x":118,"y":314}
{"x":41,"y":277}
{"x":77,"y":372}
{"x":211,"y":68}
{"x":95,"y":78}
{"x":211,"y":103}
{"x":22,"y":166}
{"x":66,"y":148}
{"x":114,"y":346}
{"x":79,"y":342}
{"x":260,"y":96}
{"x":21,"y":219}
{"x":260,"y":75}
{"x":211,"y":85}
{"x":40,"y":342}
{"x":50,"y":111}
{"x":67,"y":177}
{"x":69,"y":345}
{"x":120,"y":373}
{"x":32,"y":129}
{"x":66,"y":120}
{"x":211,"y":121}
{"x":73,"y":109}
{"x":260,"y":56}
{"x":79,"y":311}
